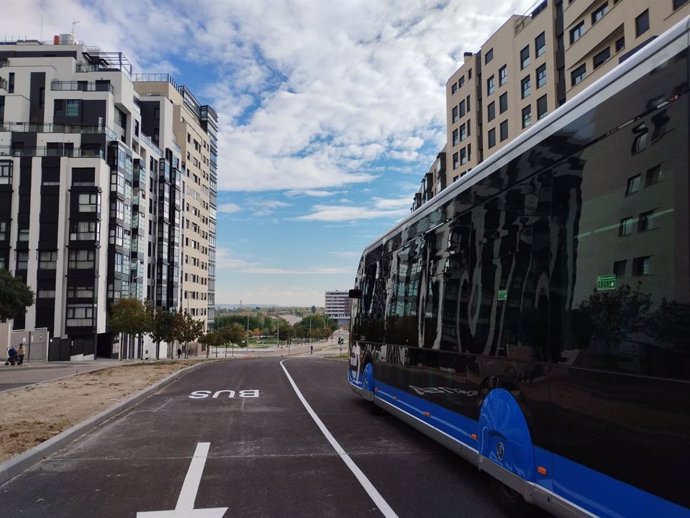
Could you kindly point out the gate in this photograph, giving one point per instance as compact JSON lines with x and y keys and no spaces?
{"x":35,"y":343}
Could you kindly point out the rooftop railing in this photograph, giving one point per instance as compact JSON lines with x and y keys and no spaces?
{"x":45,"y":151}
{"x":28,"y":127}
{"x":81,"y":86}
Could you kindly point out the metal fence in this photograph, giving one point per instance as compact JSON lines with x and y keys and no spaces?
{"x":35,"y":343}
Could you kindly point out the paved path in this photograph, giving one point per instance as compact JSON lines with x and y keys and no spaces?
{"x":15,"y":376}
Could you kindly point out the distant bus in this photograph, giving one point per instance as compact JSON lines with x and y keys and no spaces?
{"x":534,"y":317}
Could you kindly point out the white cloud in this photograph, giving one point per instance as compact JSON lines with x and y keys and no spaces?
{"x":309,"y":94}
{"x":395,"y":209}
{"x":229,"y":208}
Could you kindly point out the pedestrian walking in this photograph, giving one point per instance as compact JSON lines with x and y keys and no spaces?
{"x":312,"y":349}
{"x":20,"y":354}
{"x":179,"y":353}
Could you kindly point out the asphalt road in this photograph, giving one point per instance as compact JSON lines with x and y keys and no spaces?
{"x":194,"y":449}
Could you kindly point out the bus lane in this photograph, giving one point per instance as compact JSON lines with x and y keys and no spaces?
{"x":227,"y":439}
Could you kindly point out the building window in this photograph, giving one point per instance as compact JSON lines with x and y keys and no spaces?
{"x":72,"y":108}
{"x":454,"y":116}
{"x":646,"y":221}
{"x":679,"y":3}
{"x":453,"y":88}
{"x":526,"y":116}
{"x":542,"y":107}
{"x":502,"y":75}
{"x":490,"y":85}
{"x":541,"y":76}
{"x":90,"y":202}
{"x":5,"y":173}
{"x":492,"y":137}
{"x":461,"y":108}
{"x":620,"y":44}
{"x":640,"y":140}
{"x":619,"y":268}
{"x":47,"y":260}
{"x":540,"y":44}
{"x":2,"y":110}
{"x":503,"y":103}
{"x":491,"y":111}
{"x":46,"y":294}
{"x":488,"y":56}
{"x":22,"y":260}
{"x":601,"y":58}
{"x":577,"y":75}
{"x":455,"y":137}
{"x":79,"y":316}
{"x":633,"y":185}
{"x":625,"y":227}
{"x":80,"y":292}
{"x":455,"y":160}
{"x":653,"y":176}
{"x":23,"y":234}
{"x":10,"y":86}
{"x":642,"y":265}
{"x":503,"y":130}
{"x":577,"y":32}
{"x":84,"y":231}
{"x":525,"y":87}
{"x":4,"y":231}
{"x":642,"y":23}
{"x":600,"y":12}
{"x":461,"y":81}
{"x":463,"y":134}
{"x":524,"y":57}
{"x":469,"y":74}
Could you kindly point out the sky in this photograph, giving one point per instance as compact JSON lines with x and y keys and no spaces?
{"x":330,"y":113}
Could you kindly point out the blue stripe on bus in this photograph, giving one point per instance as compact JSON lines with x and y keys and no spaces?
{"x":584,"y":487}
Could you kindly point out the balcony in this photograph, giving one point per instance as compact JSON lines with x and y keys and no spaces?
{"x":45,"y":151}
{"x":82,"y":86}
{"x":27,"y":127}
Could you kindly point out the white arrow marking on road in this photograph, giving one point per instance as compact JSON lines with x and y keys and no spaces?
{"x":190,"y":487}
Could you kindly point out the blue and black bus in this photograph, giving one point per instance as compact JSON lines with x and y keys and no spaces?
{"x":534,"y":317}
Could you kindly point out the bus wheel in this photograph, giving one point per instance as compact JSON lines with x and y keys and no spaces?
{"x":509,"y":500}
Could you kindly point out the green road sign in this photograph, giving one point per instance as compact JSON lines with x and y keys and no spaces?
{"x":502,"y":294}
{"x":606,"y":282}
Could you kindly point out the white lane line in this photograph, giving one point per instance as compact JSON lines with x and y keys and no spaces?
{"x":361,"y":477}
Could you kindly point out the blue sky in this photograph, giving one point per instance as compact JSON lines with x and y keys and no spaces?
{"x":330,"y":114}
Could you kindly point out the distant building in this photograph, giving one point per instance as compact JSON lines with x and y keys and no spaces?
{"x":338,"y":307}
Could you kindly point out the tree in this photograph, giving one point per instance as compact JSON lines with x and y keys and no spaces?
{"x":15,"y":296}
{"x":162,"y":328}
{"x":187,"y":328}
{"x":129,"y":316}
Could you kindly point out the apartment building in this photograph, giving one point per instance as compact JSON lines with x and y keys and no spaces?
{"x":194,"y":129}
{"x":534,"y":63}
{"x":433,"y":182}
{"x":601,"y":34}
{"x":91,"y":192}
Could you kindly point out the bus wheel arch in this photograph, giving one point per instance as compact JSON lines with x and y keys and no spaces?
{"x":368,"y":378}
{"x":505,"y":440}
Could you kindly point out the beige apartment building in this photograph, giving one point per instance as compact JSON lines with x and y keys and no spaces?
{"x":195,"y":139}
{"x":601,"y":34}
{"x":534,"y":62}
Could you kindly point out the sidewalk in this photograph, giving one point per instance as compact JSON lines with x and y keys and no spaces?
{"x":15,"y":376}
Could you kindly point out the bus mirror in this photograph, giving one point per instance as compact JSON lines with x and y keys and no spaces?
{"x":355,"y":294}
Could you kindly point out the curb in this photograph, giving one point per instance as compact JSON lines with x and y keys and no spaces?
{"x":17,"y":465}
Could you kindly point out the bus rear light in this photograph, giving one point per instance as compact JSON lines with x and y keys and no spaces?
{"x":473,"y":436}
{"x":541,"y":470}
{"x":427,"y":414}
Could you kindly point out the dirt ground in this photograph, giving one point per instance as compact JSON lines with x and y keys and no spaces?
{"x":36,"y":413}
